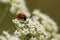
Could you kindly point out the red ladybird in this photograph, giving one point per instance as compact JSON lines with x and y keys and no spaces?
{"x":21,"y":16}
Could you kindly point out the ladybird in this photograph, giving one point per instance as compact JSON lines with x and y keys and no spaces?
{"x":21,"y":16}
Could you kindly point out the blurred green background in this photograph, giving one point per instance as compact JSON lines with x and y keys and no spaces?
{"x":49,"y":7}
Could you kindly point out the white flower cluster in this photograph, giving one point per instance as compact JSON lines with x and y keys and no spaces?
{"x":4,"y":0}
{"x":7,"y":36}
{"x":37,"y":26}
{"x":17,"y":6}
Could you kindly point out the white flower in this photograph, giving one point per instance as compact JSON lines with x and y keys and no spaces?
{"x":17,"y":33}
{"x":32,"y":31}
{"x":32,"y":38}
{"x":16,"y":21}
{"x":12,"y":9}
{"x":2,"y":37}
{"x":8,"y":36}
{"x":41,"y":37}
{"x":4,"y":0}
{"x":25,"y":31}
